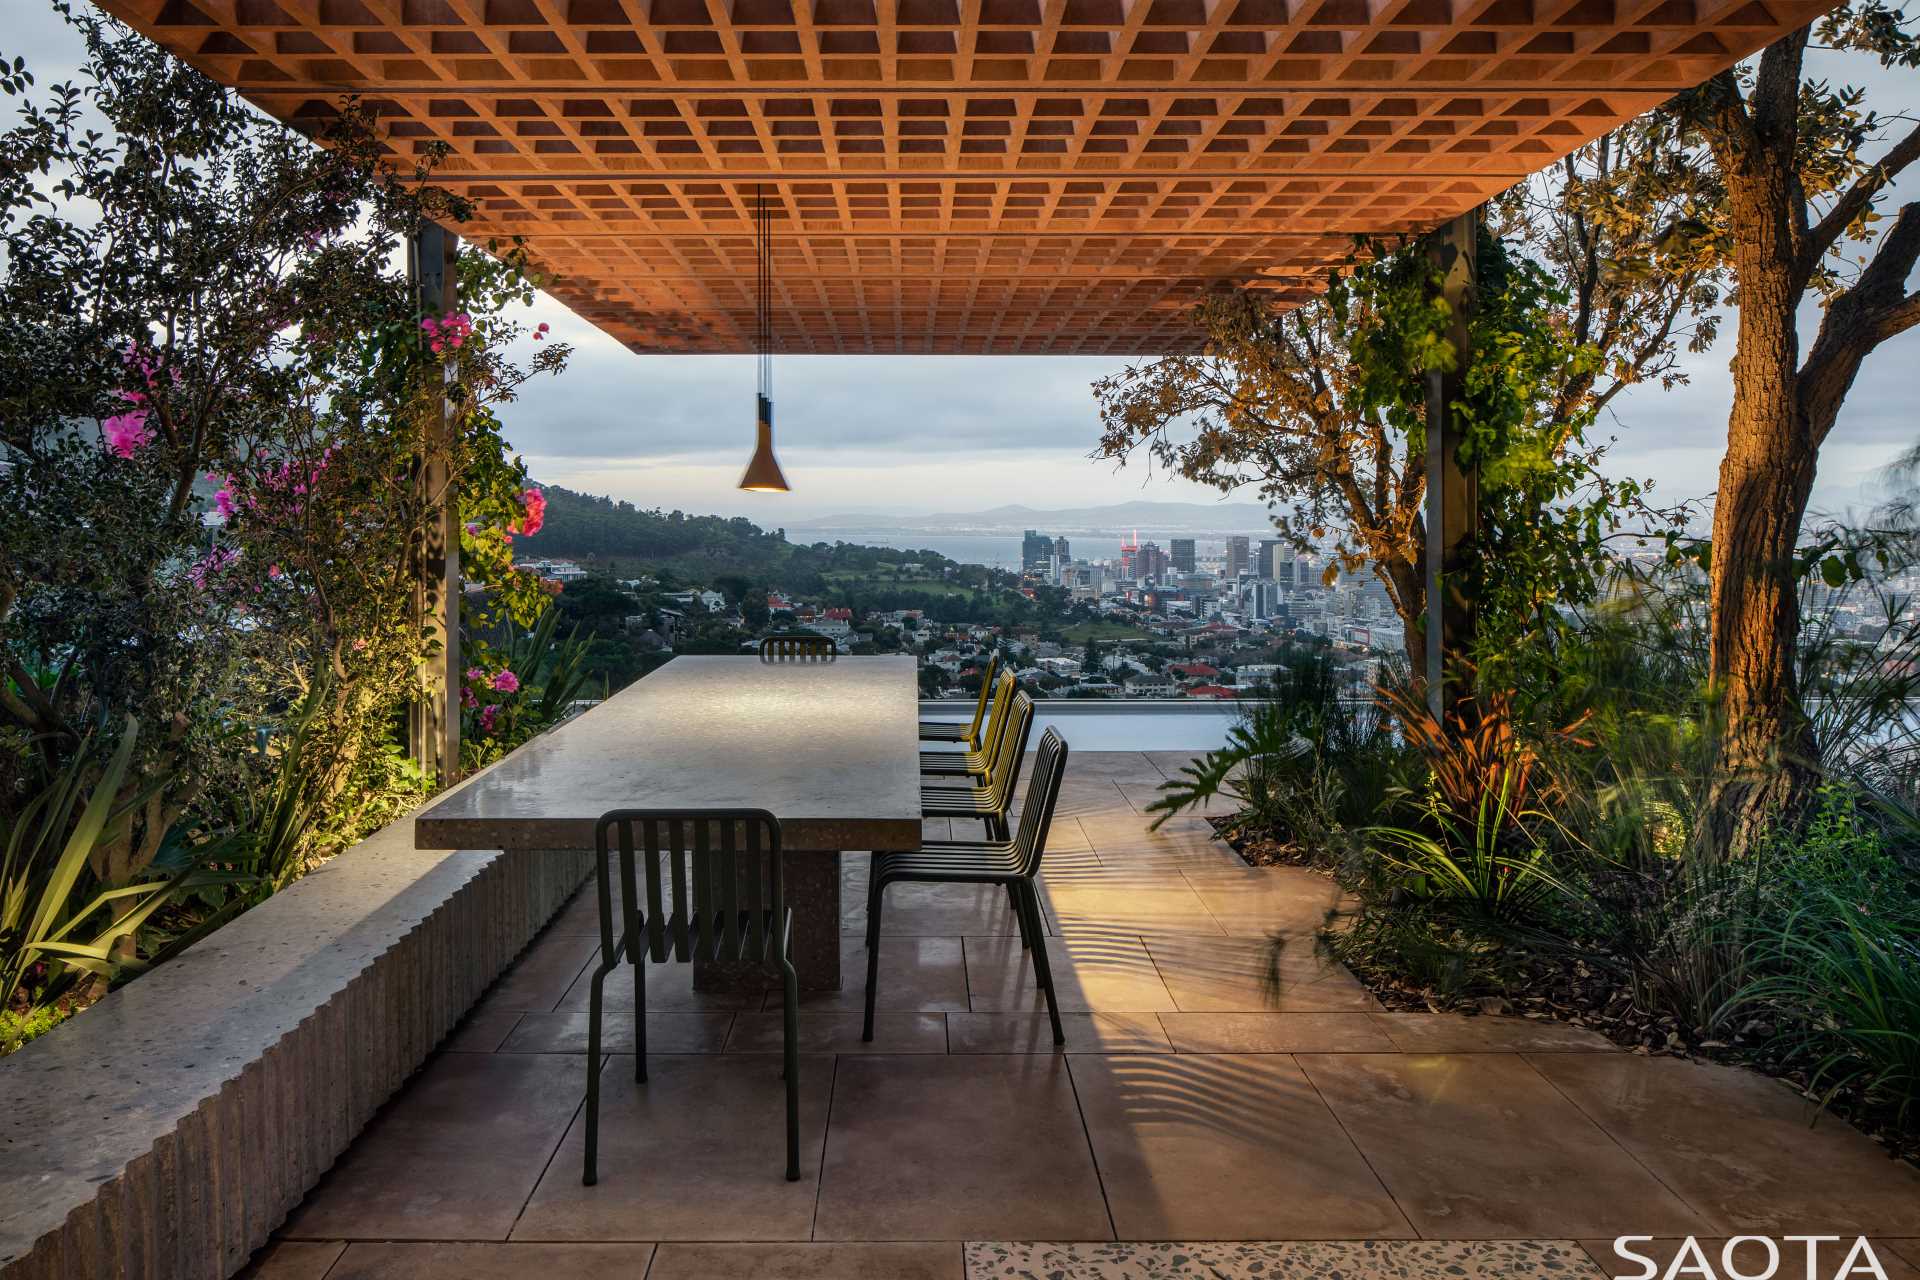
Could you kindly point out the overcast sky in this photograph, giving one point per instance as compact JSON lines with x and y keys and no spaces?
{"x":957,"y":433}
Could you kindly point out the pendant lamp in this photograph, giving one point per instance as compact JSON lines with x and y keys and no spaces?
{"x":763,"y":472}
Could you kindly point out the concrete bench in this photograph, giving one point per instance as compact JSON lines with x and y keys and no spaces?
{"x":165,"y":1132}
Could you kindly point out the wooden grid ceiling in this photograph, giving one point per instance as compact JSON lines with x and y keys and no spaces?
{"x":961,"y":175}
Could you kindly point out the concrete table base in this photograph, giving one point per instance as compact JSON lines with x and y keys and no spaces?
{"x":812,"y":886}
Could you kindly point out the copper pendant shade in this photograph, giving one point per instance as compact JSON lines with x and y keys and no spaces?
{"x":763,"y":472}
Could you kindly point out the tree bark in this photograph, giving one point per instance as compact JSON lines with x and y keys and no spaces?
{"x":1765,"y":759}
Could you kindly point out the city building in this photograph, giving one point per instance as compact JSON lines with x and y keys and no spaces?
{"x":1181,"y":555}
{"x":1035,"y":550}
{"x":1237,"y":556}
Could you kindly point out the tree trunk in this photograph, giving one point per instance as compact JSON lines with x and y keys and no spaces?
{"x":1409,"y":592}
{"x":1765,"y":761}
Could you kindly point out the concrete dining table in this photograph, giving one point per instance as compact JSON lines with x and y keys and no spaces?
{"x":831,"y":749}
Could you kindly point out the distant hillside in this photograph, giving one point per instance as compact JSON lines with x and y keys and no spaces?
{"x":582,"y":526}
{"x":1216,"y":517}
{"x":622,"y":537}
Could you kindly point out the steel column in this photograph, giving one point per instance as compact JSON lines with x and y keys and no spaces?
{"x":433,"y":721}
{"x":1453,"y":491}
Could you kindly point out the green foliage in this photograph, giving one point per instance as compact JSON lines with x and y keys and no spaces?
{"x":216,"y":393}
{"x":1300,"y":763}
{"x":53,"y":913}
{"x":17,"y":1029}
{"x":1846,"y":982}
{"x":515,"y":692}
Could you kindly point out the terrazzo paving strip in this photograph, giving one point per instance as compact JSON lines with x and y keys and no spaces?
{"x":1256,"y":1260}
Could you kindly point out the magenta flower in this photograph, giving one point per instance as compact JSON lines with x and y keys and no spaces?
{"x":210,"y":566}
{"x":506,"y":682}
{"x":536,"y":504}
{"x":127,"y":433}
{"x":476,"y":673}
{"x":488,"y":714}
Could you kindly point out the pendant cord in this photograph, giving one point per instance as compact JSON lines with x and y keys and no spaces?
{"x":763,"y":301}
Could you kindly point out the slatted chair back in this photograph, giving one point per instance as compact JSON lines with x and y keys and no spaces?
{"x":1003,"y":771}
{"x":713,"y":887}
{"x":986,"y":695}
{"x":996,"y":727}
{"x":1043,"y":794}
{"x":802,"y":646}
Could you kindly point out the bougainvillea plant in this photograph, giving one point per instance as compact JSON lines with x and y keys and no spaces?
{"x":214,"y":388}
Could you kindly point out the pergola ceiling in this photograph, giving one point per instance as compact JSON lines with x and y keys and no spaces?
{"x":962,"y":175}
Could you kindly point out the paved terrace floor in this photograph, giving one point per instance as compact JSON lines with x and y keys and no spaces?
{"x":1205,"y":1118}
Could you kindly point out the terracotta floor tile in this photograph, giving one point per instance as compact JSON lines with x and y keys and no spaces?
{"x":481,"y":1031}
{"x":454,"y":1261}
{"x":1033,"y":1033}
{"x":1247,"y":975}
{"x":1093,"y":972}
{"x":1749,"y":1258}
{"x":1142,"y":794}
{"x":1221,"y":1147}
{"x":1274,"y":1033}
{"x":1258,"y":901}
{"x":1453,"y":1033}
{"x":453,"y":1156}
{"x":1737,"y":1146}
{"x":542,"y":976}
{"x":293,"y":1260}
{"x":1169,"y":763}
{"x":696,"y":1153}
{"x":669,"y":990}
{"x":830,"y":1031}
{"x":889,"y":1261}
{"x":928,"y":910}
{"x":956,"y":1148}
{"x":1140,"y":908}
{"x":1478,"y":1146}
{"x":671,"y":1032}
{"x":917,"y":975}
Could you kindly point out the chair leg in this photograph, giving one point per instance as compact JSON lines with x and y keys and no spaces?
{"x":630,"y":939}
{"x":595,"y":1005}
{"x":791,"y":1010}
{"x":639,"y":1016}
{"x":873,"y":901}
{"x":1042,"y":967}
{"x":876,"y":897}
{"x":1019,"y":914}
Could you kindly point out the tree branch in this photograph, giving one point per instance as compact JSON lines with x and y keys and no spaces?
{"x":1857,"y":199}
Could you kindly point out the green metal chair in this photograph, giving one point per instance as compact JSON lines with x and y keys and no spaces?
{"x":967,"y":734}
{"x":713,"y":892}
{"x":989,"y":802}
{"x":797,"y":646}
{"x":1013,"y":863}
{"x":974,"y":764}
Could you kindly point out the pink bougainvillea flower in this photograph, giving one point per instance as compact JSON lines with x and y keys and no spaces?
{"x":223,"y":498}
{"x":127,"y":433}
{"x":488,"y":714}
{"x":467,"y":699}
{"x":212,"y":565}
{"x":476,"y":673}
{"x":506,"y":682}
{"x":535,"y":503}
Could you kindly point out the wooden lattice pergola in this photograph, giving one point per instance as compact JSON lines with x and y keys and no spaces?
{"x":962,"y":175}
